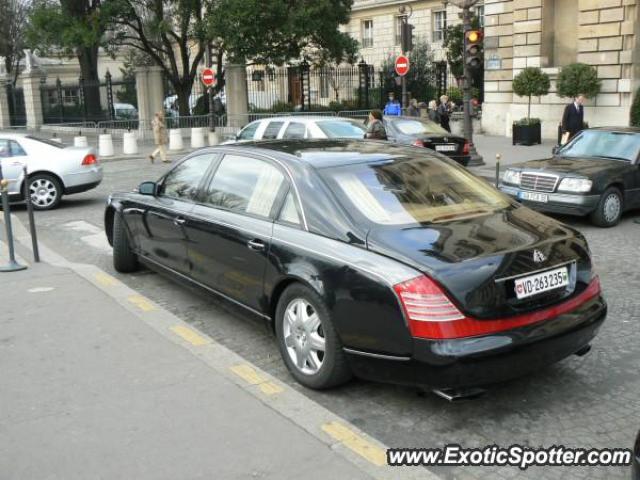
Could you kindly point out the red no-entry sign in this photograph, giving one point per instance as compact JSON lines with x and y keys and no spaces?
{"x":402,"y":65}
{"x":208,"y":77}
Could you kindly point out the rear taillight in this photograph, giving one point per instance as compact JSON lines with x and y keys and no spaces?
{"x":418,"y":143}
{"x":432,"y":315}
{"x":90,"y":159}
{"x":426,"y":306}
{"x":465,"y":149}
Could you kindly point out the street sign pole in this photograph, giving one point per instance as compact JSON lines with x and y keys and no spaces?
{"x":405,"y":95}
{"x":209,"y":62}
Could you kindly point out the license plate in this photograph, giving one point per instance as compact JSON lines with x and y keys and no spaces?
{"x":446,"y":148}
{"x":541,"y":282}
{"x":533,"y":197}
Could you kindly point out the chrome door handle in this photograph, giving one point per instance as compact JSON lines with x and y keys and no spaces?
{"x":179,"y":221}
{"x":256,"y":244}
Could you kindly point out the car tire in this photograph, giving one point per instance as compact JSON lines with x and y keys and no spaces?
{"x":609,"y":210}
{"x":303,"y":322}
{"x":45,"y":191}
{"x":124,"y":260}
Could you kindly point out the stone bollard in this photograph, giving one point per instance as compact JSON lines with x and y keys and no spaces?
{"x":105,"y":145}
{"x":80,"y":142}
{"x":129,"y":143}
{"x":175,"y":139}
{"x":197,"y":137}
{"x":214,"y":138}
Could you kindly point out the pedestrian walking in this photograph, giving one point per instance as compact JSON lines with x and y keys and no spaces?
{"x":393,"y":106}
{"x":573,"y":119}
{"x":159,"y":138}
{"x":413,"y":110}
{"x":376,"y":128}
{"x":443,"y":113}
{"x":432,"y":111}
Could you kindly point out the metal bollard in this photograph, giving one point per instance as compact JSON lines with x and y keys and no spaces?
{"x":12,"y":266}
{"x":32,"y":222}
{"x":498,"y":157}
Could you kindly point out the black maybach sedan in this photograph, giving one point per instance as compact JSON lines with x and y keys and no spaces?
{"x":391,"y":263}
{"x":596,"y":174}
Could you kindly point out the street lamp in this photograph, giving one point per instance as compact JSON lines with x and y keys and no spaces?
{"x":466,"y":6}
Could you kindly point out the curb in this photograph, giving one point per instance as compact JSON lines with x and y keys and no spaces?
{"x":347,"y":440}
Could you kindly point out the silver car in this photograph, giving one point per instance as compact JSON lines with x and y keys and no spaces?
{"x":53,"y":169}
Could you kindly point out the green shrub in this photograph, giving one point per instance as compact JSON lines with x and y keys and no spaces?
{"x":523,"y":122}
{"x":529,"y":82}
{"x":578,"y":78}
{"x":634,"y":117}
{"x":455,"y":95}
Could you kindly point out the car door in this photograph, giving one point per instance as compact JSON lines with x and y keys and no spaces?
{"x":164,"y":239}
{"x":13,"y":157}
{"x":230,"y":235}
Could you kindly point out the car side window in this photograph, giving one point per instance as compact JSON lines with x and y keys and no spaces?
{"x":289,"y":212}
{"x":5,"y":148}
{"x":16,"y":149}
{"x":249,"y":131}
{"x":295,"y":130}
{"x":182,"y":182}
{"x":245,"y":185}
{"x":271,"y":132}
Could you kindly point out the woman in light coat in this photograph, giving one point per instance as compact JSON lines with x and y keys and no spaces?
{"x":159,"y":137}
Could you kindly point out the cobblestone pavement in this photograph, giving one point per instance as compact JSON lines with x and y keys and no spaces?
{"x":591,"y":401}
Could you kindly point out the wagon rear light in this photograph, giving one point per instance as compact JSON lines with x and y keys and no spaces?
{"x":432,"y":315}
{"x":466,"y":148}
{"x":418,"y":143}
{"x":90,"y":159}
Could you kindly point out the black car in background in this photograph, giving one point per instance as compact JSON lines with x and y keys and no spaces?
{"x":596,"y":174}
{"x":366,"y":258}
{"x":422,"y":132}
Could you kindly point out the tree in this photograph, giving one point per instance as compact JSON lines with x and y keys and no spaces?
{"x":634,"y":114}
{"x":14,"y":16}
{"x":531,"y":82}
{"x":578,"y":78}
{"x":72,"y":27}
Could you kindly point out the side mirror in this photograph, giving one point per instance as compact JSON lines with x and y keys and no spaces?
{"x":148,"y":188}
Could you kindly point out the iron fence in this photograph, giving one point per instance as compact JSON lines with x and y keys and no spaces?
{"x":17,"y":112}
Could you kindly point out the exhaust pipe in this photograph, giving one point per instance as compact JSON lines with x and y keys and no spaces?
{"x":583,"y":351}
{"x":459,"y":394}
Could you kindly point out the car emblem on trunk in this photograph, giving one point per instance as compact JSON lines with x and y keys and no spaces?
{"x":538,"y":256}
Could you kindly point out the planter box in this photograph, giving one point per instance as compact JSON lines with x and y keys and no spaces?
{"x":527,"y":134}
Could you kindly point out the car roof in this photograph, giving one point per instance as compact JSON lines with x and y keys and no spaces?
{"x":323,"y":153}
{"x":303,"y":118}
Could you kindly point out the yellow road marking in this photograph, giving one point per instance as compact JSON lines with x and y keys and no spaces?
{"x":190,"y":335}
{"x":355,"y":442}
{"x":142,"y":303}
{"x":270,"y":388}
{"x":106,"y":280}
{"x":248,"y":374}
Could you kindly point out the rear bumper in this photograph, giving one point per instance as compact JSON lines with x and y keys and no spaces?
{"x":483,"y":360}
{"x":562,"y":203}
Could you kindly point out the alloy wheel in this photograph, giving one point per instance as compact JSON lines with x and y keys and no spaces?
{"x":43,"y":192}
{"x":303,"y":336}
{"x":612,"y":206}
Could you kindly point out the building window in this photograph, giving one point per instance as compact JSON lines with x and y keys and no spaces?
{"x":479,"y":13}
{"x":439,"y":25}
{"x":367,"y":33}
{"x":398,"y":26}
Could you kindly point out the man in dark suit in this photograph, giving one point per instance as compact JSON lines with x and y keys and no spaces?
{"x":573,"y":117}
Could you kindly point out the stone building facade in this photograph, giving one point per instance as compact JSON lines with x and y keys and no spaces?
{"x":551,"y":34}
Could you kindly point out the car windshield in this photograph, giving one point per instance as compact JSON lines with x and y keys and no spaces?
{"x":412,"y":189}
{"x":604,"y":144}
{"x":342,"y":129}
{"x":418,"y":127}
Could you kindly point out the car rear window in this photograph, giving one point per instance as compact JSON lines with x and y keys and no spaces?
{"x":410,"y":190}
{"x":342,"y":129}
{"x":51,"y":143}
{"x":418,"y":127}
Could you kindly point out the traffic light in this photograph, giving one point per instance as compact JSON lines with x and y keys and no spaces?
{"x":406,"y":37}
{"x":473,"y":48}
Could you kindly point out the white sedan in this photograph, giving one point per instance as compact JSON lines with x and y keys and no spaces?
{"x":301,"y":127}
{"x":53,"y":170}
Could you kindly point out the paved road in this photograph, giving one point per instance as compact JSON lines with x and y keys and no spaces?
{"x":591,"y":401}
